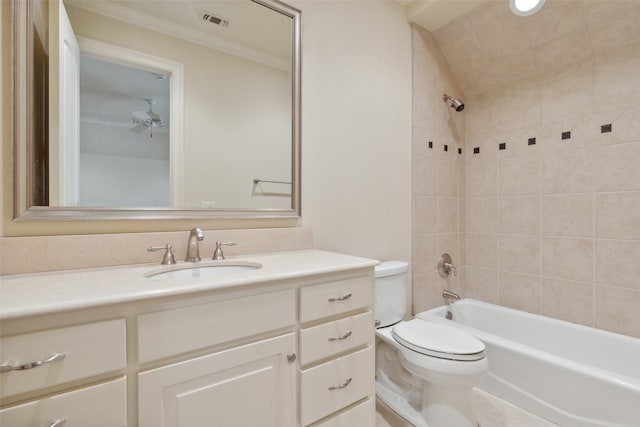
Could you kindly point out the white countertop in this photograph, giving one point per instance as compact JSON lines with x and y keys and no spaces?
{"x":43,"y":293}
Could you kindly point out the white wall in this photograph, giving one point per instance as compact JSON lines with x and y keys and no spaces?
{"x":356,"y":127}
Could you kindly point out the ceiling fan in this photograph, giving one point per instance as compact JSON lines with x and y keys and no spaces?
{"x":147,"y":120}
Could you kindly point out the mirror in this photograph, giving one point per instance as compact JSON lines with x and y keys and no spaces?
{"x":156,"y":109}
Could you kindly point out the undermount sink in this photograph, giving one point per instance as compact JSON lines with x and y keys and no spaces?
{"x":209,"y":270}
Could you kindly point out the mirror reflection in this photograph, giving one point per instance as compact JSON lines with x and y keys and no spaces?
{"x":163,"y":104}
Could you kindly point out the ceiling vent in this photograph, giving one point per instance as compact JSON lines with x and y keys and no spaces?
{"x":211,"y":18}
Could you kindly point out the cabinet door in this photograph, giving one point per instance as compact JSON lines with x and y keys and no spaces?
{"x":250,"y":385}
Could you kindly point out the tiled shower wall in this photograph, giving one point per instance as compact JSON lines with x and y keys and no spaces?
{"x":552,"y":176}
{"x":438,"y":168}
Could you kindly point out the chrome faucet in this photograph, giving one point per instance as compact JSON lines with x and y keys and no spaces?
{"x":217,"y":254}
{"x":193,"y":250}
{"x":448,"y":296}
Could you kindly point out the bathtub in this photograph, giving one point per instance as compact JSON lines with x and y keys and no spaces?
{"x":570,"y":374}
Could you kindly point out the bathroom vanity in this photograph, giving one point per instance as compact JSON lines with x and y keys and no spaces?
{"x":287,"y":344}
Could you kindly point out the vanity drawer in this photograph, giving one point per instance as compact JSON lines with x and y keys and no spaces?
{"x":331,"y":386}
{"x":89,"y":349}
{"x":172,"y":332}
{"x":328,"y":299}
{"x":363,"y":414}
{"x":334,"y":337}
{"x":103,"y":405}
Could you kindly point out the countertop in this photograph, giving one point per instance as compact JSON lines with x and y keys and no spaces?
{"x":44,"y":293}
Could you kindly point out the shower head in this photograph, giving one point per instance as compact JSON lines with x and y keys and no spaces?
{"x":454,"y":103}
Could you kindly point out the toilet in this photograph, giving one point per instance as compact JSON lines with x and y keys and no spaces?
{"x":424,"y":370}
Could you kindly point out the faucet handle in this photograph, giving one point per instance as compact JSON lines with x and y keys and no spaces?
{"x":168,"y":257}
{"x":217,"y":254}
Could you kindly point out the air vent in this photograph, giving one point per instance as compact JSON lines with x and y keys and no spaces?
{"x":213,"y":19}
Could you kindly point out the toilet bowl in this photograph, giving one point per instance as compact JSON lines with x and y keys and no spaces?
{"x":424,"y":370}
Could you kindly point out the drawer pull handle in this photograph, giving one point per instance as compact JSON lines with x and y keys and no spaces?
{"x":341,"y":386}
{"x":341,"y":337}
{"x":58,"y":423}
{"x":31,"y":365}
{"x":342,"y":298}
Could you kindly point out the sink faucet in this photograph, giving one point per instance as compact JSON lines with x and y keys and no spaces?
{"x":217,"y":254}
{"x":193,"y":250}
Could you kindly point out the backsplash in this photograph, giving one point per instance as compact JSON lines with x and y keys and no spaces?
{"x":50,"y":253}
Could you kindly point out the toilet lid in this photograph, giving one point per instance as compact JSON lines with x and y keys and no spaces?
{"x":437,"y":340}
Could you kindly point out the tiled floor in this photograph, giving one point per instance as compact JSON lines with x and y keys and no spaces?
{"x":491,"y":412}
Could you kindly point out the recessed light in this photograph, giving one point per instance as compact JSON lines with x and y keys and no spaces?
{"x":525,"y":7}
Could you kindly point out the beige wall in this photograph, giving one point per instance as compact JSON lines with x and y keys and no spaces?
{"x":438,"y":175}
{"x":356,"y":154}
{"x":355,"y":144}
{"x":554,"y":228}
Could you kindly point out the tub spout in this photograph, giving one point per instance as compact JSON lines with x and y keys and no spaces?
{"x":448,"y":297}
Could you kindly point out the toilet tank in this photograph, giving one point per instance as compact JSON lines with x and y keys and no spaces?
{"x":390,"y":290}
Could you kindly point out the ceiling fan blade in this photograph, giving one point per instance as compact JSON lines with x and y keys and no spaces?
{"x":141,"y":115}
{"x":139,"y":128}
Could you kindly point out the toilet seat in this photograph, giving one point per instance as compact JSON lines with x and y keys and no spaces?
{"x":437,"y":340}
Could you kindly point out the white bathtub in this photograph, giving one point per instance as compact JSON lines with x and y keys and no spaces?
{"x":573,"y":375}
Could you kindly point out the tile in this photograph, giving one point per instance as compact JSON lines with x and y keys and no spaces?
{"x":567,"y":93}
{"x":425,"y":176}
{"x":426,"y":294}
{"x":425,"y":253}
{"x":447,"y":215}
{"x":481,"y":214}
{"x":480,"y":284}
{"x":556,"y":19}
{"x":425,"y":215}
{"x":567,"y":258}
{"x":560,"y":52}
{"x":616,"y":263}
{"x":448,"y":174}
{"x":619,"y":30}
{"x":617,"y":168}
{"x":626,"y":126}
{"x":567,"y":300}
{"x":519,"y":215}
{"x":519,"y":176}
{"x":566,"y":172}
{"x":597,"y":11}
{"x":519,"y":254}
{"x":481,"y":177}
{"x":616,"y":83}
{"x":617,"y":215}
{"x":481,"y":250}
{"x":568,"y":215}
{"x":519,"y":291}
{"x":616,"y":310}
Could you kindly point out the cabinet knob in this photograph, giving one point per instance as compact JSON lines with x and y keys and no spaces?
{"x":291,"y":357}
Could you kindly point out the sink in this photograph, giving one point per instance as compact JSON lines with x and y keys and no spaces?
{"x":210,"y":270}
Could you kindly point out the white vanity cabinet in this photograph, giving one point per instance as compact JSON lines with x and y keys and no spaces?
{"x":289,"y":347}
{"x":252,"y":384}
{"x":336,"y":353}
{"x":52,"y":357}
